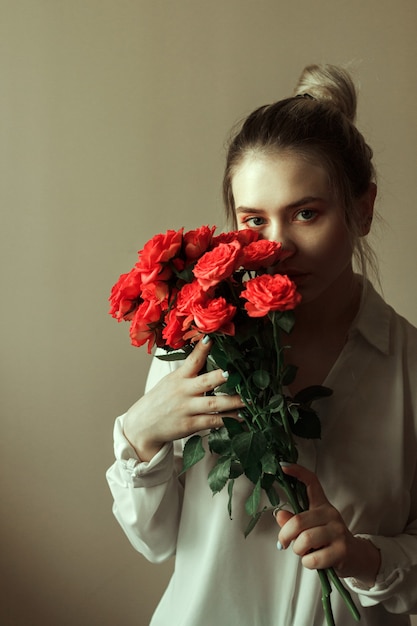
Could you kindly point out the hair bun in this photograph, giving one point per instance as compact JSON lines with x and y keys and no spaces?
{"x":329,"y":83}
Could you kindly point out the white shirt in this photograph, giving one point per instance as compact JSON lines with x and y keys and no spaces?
{"x":366,"y":461}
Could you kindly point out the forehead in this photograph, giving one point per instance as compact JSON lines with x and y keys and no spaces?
{"x":285,"y":177}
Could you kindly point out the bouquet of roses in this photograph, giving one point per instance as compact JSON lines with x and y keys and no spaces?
{"x":186,"y":285}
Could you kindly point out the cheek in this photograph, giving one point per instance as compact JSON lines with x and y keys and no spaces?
{"x":330,"y":247}
{"x":338,"y":251}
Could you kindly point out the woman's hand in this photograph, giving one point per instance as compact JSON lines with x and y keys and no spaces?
{"x":178,"y":407}
{"x":321,"y":538}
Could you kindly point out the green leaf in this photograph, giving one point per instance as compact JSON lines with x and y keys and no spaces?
{"x":280,"y":442}
{"x":307,"y":395}
{"x":172,"y":356}
{"x":269,"y":463}
{"x":289,"y":374}
{"x":236,"y":469}
{"x":211,"y":365}
{"x":219,"y":357}
{"x":218,"y":441}
{"x":267,"y":480}
{"x":230,"y":492}
{"x":253,"y":522}
{"x":233,"y":352}
{"x":230,"y":385}
{"x":193,"y":452}
{"x":278,"y":432}
{"x":275,"y":404}
{"x":294,"y":412}
{"x":233,"y":426}
{"x":273,"y":496}
{"x":219,"y":474}
{"x":253,"y":472}
{"x":234,"y":380}
{"x":252,"y":503}
{"x":261,"y":379}
{"x":308,"y":424}
{"x":285,"y":321}
{"x":224,"y":389}
{"x":186,"y":274}
{"x":249,"y":447}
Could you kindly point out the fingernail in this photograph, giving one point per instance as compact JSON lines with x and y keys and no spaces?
{"x":225,"y":374}
{"x":279,"y":546}
{"x":205,"y":339}
{"x":240,"y":415}
{"x":285,"y":464}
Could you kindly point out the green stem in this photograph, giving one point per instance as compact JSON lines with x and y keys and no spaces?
{"x":326,"y":590}
{"x":250,"y":402}
{"x":276,"y":343}
{"x":250,"y":405}
{"x":290,"y":492}
{"x":299,"y":503}
{"x":344,"y":593}
{"x":292,"y":447}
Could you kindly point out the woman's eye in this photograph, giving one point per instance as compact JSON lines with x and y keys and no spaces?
{"x":306,"y":215}
{"x":254,"y":222}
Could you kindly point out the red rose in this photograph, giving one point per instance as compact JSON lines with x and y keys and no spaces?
{"x":156,"y":254}
{"x":189,"y":293}
{"x":270,"y":293}
{"x":187,"y":296}
{"x":261,"y":253}
{"x":156,"y":292}
{"x":197,"y":242}
{"x":214,"y":316}
{"x":242,"y":236}
{"x":218,"y":264}
{"x":146,"y":325}
{"x":173,"y":333}
{"x":125,"y":294}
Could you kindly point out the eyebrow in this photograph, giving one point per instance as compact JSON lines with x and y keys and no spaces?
{"x":293,"y":205}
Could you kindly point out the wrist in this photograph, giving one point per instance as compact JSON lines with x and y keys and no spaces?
{"x":144,"y":447}
{"x":145,"y":451}
{"x":366,"y":562}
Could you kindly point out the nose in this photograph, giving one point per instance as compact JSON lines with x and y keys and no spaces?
{"x":279,"y":232}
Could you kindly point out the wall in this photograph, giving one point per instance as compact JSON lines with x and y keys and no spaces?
{"x":113,"y":118}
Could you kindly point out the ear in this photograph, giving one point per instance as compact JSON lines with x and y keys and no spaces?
{"x":366,"y":209}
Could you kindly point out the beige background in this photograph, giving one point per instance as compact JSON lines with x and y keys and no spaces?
{"x":113,"y":116}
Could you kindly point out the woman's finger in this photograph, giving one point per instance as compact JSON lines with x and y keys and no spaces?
{"x":316,"y":495}
{"x":195,"y":361}
{"x":208,"y":381}
{"x":204,"y":405}
{"x":282,"y":517}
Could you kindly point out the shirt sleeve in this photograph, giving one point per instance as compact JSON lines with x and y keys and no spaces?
{"x":147,"y":495}
{"x":396,"y":583}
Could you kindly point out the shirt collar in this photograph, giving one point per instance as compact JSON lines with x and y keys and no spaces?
{"x":374,"y":319}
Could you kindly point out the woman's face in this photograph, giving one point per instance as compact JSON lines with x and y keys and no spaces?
{"x":288,"y":199}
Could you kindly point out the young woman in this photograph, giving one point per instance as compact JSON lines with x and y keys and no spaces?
{"x":299,"y":172}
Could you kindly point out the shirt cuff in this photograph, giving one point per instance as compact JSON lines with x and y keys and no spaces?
{"x":139,"y":473}
{"x":390,"y":575}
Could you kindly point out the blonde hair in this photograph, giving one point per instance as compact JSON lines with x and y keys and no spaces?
{"x":331,"y":84}
{"x":317,"y":122}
